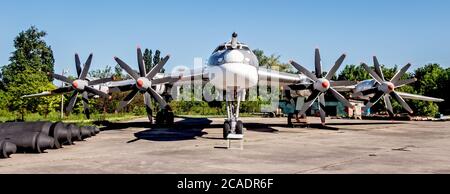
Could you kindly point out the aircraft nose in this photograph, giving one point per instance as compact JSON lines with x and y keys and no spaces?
{"x":234,"y":56}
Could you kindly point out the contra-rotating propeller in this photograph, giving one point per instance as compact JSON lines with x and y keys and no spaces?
{"x":144,"y":83}
{"x":321,"y":85}
{"x":80,"y":85}
{"x":386,"y":89}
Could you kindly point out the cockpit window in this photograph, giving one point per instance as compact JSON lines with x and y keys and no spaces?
{"x":220,"y":48}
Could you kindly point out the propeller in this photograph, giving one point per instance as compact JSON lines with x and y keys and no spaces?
{"x":321,"y":85}
{"x":386,"y":89}
{"x":144,"y":83}
{"x":81,"y":86}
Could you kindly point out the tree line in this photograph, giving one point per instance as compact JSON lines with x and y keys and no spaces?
{"x":32,"y":60}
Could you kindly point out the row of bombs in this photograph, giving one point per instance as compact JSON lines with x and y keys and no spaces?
{"x":36,"y":137}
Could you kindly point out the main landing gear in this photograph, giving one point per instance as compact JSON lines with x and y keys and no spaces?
{"x":232,"y":124}
{"x":165,"y":117}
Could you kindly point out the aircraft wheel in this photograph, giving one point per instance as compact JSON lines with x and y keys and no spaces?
{"x":160,"y":118}
{"x":170,"y":118}
{"x":226,"y":129}
{"x":240,"y":128}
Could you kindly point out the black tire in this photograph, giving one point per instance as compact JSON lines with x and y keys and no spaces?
{"x":226,"y":130}
{"x":272,"y":115}
{"x":170,"y":118}
{"x":240,"y":128}
{"x":160,"y":118}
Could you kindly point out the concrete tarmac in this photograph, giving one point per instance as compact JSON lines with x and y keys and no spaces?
{"x":195,"y":146}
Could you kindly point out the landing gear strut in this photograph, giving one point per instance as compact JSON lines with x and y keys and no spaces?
{"x":232,"y":124}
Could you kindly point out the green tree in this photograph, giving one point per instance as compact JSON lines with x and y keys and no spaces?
{"x":118,"y":72}
{"x":148,"y":59}
{"x":354,"y":73}
{"x":272,"y":62}
{"x":432,"y":80}
{"x":157,"y":58}
{"x":28,"y":70}
{"x":102,"y":73}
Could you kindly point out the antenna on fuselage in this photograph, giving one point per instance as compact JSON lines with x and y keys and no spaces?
{"x":234,"y":40}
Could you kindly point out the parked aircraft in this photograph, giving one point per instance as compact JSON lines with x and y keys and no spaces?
{"x":233,"y":68}
{"x":377,"y":88}
{"x":82,"y":85}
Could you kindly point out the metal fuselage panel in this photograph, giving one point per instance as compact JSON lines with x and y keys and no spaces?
{"x":233,"y":67}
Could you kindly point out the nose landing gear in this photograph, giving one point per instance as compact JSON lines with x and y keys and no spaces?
{"x":232,"y":124}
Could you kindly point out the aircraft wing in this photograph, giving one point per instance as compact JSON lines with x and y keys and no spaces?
{"x":267,"y":76}
{"x":38,"y":95}
{"x":344,"y":86}
{"x":57,"y":91}
{"x":419,"y":97}
{"x":121,"y":86}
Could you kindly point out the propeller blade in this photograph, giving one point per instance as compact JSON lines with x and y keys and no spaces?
{"x":62,"y":90}
{"x":402,"y":102}
{"x":127,"y":68}
{"x":72,"y":102}
{"x":388,"y":103}
{"x":96,"y":92}
{"x":405,"y":82}
{"x":341,"y":98}
{"x":141,"y":63}
{"x":372,"y":73}
{"x":373,"y":100}
{"x":148,"y":105}
{"x":127,"y":99}
{"x":303,"y":70}
{"x":322,"y":108}
{"x":336,"y":66}
{"x":378,"y":69}
{"x":399,"y":74}
{"x":62,"y":78}
{"x":157,"y":68}
{"x":318,"y":64}
{"x":86,"y":105}
{"x":157,"y":97}
{"x":101,"y":81}
{"x":86,"y":67}
{"x":165,"y":80}
{"x":78,"y":64}
{"x":309,"y":101}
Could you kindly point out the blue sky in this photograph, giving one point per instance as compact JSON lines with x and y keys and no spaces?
{"x":398,"y":32}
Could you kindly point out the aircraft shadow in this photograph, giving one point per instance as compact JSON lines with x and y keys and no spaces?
{"x":366,"y":123}
{"x":192,"y":128}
